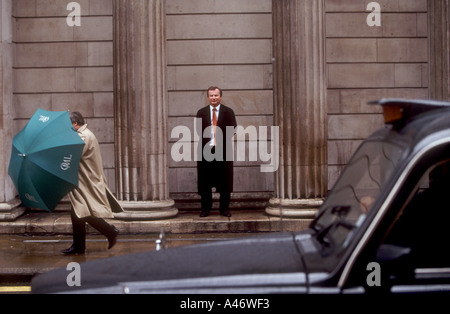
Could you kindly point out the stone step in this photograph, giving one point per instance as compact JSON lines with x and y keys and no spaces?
{"x":186,"y":222}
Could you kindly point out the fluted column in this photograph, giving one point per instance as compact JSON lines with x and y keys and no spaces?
{"x":9,"y":205}
{"x":141,"y":109}
{"x":300,"y":107}
{"x":439,"y":41}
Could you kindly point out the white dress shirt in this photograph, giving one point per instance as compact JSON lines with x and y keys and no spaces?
{"x":211,"y":108}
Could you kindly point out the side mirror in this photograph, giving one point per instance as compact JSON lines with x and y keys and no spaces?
{"x":395,"y":262}
{"x":389,"y":253}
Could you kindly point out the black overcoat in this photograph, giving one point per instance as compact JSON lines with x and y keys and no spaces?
{"x":218,"y":174}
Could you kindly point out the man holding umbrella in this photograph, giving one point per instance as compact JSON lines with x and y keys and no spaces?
{"x":92,"y":201}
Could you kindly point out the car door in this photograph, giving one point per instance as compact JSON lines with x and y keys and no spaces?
{"x":404,"y":249}
{"x":413,"y":256}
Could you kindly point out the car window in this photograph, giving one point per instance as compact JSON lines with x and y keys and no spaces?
{"x":416,"y":246}
{"x":355,"y":193}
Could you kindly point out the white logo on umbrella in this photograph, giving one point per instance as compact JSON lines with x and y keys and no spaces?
{"x":65,"y":165}
{"x":44,"y":119}
{"x":31,"y":198}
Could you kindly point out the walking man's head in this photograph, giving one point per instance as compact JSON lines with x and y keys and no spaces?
{"x":77,"y":120}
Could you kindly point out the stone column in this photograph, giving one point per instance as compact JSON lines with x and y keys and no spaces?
{"x":439,"y":41}
{"x":300,"y":107}
{"x":141,"y":109}
{"x":9,"y":204}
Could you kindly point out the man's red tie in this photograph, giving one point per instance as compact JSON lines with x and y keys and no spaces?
{"x":214,"y":124}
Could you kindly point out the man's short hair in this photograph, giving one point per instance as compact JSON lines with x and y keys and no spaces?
{"x":77,"y":117}
{"x":212,"y":88}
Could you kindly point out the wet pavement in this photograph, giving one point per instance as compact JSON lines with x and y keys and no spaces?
{"x":22,"y":257}
{"x":32,"y":244}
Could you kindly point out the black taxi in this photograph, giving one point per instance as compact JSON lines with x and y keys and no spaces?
{"x":382,"y":229}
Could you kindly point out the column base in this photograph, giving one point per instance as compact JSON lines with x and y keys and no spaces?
{"x":149,"y":210}
{"x":298,"y":208}
{"x":11,"y":211}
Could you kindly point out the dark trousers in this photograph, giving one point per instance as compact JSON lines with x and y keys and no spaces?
{"x":225,"y":199}
{"x":214,"y":172}
{"x":79,"y":229}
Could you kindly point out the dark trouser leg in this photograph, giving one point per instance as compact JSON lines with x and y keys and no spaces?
{"x":225,"y":199}
{"x":206,"y":201}
{"x":79,"y":232}
{"x":102,"y":226}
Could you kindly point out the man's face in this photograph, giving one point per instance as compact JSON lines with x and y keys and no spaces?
{"x":214,"y":97}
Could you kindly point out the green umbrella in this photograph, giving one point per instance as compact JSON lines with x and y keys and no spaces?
{"x":45,"y":159}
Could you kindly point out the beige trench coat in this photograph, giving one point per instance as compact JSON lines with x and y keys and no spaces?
{"x":92,"y":197}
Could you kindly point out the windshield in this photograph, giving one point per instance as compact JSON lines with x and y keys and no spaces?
{"x":354,"y":194}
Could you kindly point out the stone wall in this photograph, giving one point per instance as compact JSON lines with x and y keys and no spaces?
{"x":370,"y":62}
{"x":50,"y":65}
{"x":58,"y":67}
{"x":226,"y":44}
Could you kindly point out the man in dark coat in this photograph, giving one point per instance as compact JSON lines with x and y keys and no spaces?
{"x":215,"y":169}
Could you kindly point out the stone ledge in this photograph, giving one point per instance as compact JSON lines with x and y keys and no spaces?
{"x":138,"y":211}
{"x":297,"y":208}
{"x":40,"y":223}
{"x":11,"y":211}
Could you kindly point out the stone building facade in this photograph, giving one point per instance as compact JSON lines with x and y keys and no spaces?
{"x":138,"y":70}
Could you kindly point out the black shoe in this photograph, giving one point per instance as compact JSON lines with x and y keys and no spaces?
{"x":73,"y":251}
{"x":204,"y":214}
{"x":225,"y":213}
{"x":113,"y":240}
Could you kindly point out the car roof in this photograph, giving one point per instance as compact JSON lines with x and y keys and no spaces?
{"x":418,"y":119}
